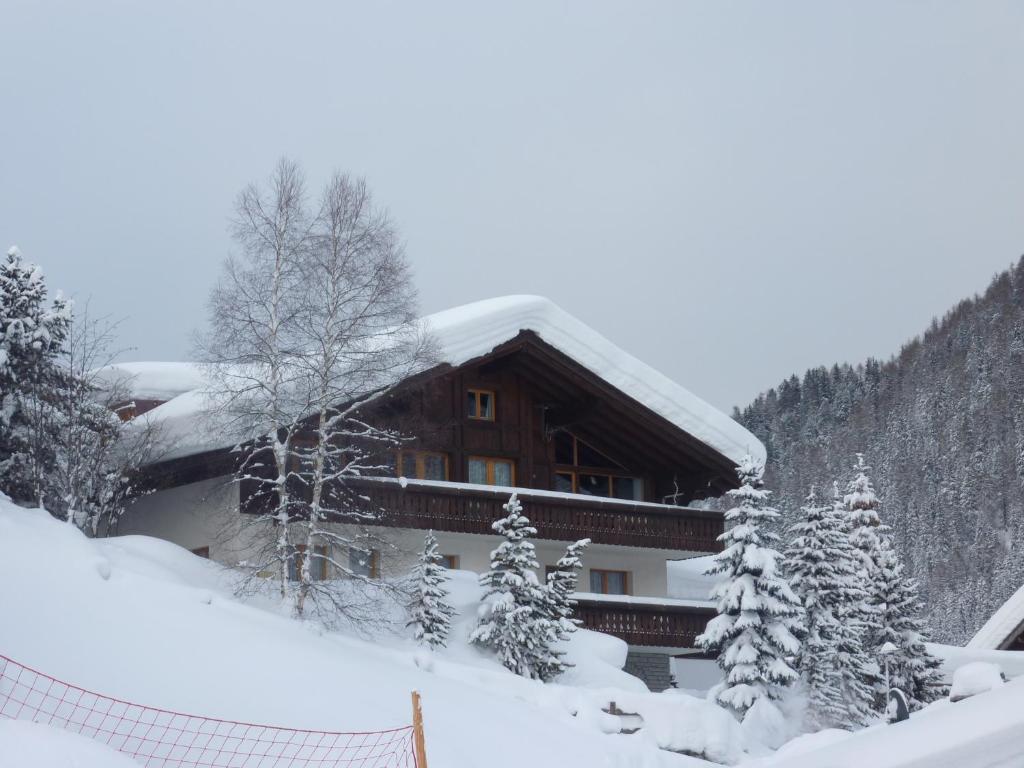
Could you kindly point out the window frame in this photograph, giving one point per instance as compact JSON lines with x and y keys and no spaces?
{"x":299,"y":554}
{"x":453,"y":559}
{"x":627,"y":581}
{"x":576,"y":469}
{"x":490,"y":461}
{"x":476,"y":392}
{"x":374,"y":564}
{"x":420,"y":455}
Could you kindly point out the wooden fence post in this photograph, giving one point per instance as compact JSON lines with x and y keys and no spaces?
{"x":418,"y":739}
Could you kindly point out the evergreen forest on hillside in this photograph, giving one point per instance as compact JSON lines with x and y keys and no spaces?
{"x":942,"y":425}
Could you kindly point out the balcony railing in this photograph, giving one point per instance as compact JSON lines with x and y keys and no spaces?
{"x":667,"y":626}
{"x":460,"y":508}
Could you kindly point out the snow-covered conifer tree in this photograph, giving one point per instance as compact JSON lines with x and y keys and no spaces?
{"x":430,"y":612}
{"x":32,"y":333}
{"x":811,"y":567}
{"x":867,"y":534}
{"x":911,"y":668}
{"x":758,"y":613}
{"x":855,"y":671}
{"x":824,"y":572}
{"x":513,"y":620}
{"x":561,"y":586}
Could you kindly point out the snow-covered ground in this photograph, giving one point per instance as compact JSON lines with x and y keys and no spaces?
{"x":984,"y":731}
{"x":144,"y":620}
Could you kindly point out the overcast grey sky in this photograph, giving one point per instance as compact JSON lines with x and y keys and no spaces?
{"x":731,"y":191}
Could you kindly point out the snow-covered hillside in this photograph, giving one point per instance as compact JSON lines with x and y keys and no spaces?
{"x":143,"y":620}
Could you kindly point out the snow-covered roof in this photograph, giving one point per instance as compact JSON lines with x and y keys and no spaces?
{"x":153,"y":380}
{"x":997,"y":629}
{"x":463,"y":334}
{"x":475,"y":329}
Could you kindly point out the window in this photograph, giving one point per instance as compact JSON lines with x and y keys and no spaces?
{"x":583,"y":470}
{"x":423,"y":465}
{"x":451,"y":562}
{"x":609,"y":582}
{"x":480,"y":404}
{"x":484,"y":471}
{"x":317,"y":563}
{"x":364,"y":562}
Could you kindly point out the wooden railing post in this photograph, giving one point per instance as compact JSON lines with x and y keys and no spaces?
{"x":419,"y":741}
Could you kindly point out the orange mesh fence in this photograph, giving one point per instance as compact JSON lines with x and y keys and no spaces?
{"x":160,"y":738}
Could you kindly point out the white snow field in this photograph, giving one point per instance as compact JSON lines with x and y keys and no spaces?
{"x":31,"y":745}
{"x":984,"y":731}
{"x":143,"y":620}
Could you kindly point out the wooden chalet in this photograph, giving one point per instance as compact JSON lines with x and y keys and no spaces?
{"x":596,"y":444}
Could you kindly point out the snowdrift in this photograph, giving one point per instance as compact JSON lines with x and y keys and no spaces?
{"x":144,"y":620}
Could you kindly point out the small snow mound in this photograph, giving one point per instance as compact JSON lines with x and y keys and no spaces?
{"x":103,"y":568}
{"x":424,"y":660}
{"x":974,"y":678}
{"x":765,"y":724}
{"x":24,"y":743}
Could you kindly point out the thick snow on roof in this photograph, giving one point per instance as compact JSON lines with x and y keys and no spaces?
{"x":153,"y":381}
{"x":1004,"y":621}
{"x":475,"y":329}
{"x":462,"y":334}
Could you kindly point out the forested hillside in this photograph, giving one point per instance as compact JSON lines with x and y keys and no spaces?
{"x":942,"y":423}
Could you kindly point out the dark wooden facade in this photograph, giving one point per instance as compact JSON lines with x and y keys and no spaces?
{"x":449,"y":507}
{"x":666,"y":626}
{"x":539,"y":393}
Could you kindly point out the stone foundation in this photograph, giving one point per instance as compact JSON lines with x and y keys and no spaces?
{"x":653,"y":668}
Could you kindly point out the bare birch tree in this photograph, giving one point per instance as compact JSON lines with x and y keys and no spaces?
{"x":311,"y":324}
{"x":248,"y":351}
{"x":359,"y":336}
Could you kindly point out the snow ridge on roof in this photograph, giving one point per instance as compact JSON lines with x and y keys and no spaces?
{"x":462,"y":334}
{"x":472,"y":330}
{"x":1003,"y":622}
{"x":153,"y":380}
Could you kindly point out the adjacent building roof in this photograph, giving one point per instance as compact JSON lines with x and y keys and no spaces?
{"x":1005,"y":624}
{"x":463,"y":334}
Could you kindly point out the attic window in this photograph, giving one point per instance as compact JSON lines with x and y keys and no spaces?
{"x":480,"y":404}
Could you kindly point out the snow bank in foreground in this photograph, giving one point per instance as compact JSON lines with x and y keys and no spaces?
{"x":143,"y":620}
{"x":974,"y":678}
{"x":40,"y":746}
{"x":984,"y":731}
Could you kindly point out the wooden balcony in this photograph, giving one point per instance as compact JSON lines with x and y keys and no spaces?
{"x":667,"y":626}
{"x":458,"y":508}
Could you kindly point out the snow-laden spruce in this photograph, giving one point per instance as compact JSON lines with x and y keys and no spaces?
{"x":515,"y":618}
{"x":824,"y":572}
{"x":32,"y":335}
{"x":909,"y":665}
{"x":559,"y":605}
{"x":892,"y":608}
{"x":755,"y":631}
{"x":854,"y":669}
{"x":430,"y":612}
{"x":866,"y":532}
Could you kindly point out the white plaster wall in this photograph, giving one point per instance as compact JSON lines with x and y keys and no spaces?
{"x":205,"y":514}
